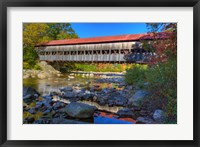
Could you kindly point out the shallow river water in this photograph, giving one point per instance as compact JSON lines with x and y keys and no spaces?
{"x":46,"y":86}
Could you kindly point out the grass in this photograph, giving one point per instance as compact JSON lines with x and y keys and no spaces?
{"x":95,"y":67}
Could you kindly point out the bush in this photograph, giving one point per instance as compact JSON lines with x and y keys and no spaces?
{"x":29,"y":65}
{"x":136,"y":75}
{"x":162,"y":79}
{"x":30,"y":58}
{"x":95,"y":67}
{"x":37,"y":67}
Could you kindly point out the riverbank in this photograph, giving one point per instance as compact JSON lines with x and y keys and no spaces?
{"x":109,"y":96}
{"x":48,"y":71}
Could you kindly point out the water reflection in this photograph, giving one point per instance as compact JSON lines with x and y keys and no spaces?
{"x":46,"y":86}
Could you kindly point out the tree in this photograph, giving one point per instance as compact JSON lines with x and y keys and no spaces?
{"x":162,"y":75}
{"x":164,"y":41}
{"x":58,"y":31}
{"x":35,"y":33}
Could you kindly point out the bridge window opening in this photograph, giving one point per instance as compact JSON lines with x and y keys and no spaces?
{"x":126,"y":51}
{"x":73,"y":53}
{"x":60,"y":53}
{"x":54,"y":53}
{"x":97,"y":52}
{"x":67,"y":53}
{"x":115,"y":52}
{"x":42,"y":53}
{"x":80,"y":52}
{"x":122,"y":51}
{"x":105,"y":52}
{"x":88,"y":52}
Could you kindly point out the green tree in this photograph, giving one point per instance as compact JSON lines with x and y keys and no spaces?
{"x":36,"y":33}
{"x":58,"y":31}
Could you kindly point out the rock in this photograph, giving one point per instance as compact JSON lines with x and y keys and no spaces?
{"x":80,"y":94}
{"x":59,"y":75}
{"x":80,"y":110}
{"x":144,"y":120}
{"x":29,"y":94}
{"x":57,"y":105}
{"x":39,"y":121}
{"x":120,"y":101}
{"x":106,"y":90}
{"x":26,"y":76}
{"x":159,"y":116}
{"x":29,"y":90}
{"x":66,"y":89}
{"x":32,"y":111}
{"x":46,"y":111}
{"x":146,"y":84}
{"x":116,"y":99}
{"x":42,"y":75}
{"x":65,"y":121}
{"x":129,"y":87}
{"x":30,"y":120}
{"x":143,"y":112}
{"x":69,"y":95}
{"x":71,"y":77}
{"x":137,"y":98}
{"x":125,"y":112}
{"x":121,"y":85}
{"x":88,"y":96}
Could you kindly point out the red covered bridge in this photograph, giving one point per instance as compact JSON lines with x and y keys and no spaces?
{"x":96,"y":49}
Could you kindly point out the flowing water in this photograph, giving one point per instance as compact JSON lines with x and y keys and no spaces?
{"x":46,"y":86}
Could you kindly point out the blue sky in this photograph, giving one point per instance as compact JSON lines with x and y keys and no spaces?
{"x":85,"y":30}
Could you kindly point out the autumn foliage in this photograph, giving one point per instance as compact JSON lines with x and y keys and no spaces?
{"x":161,"y":73}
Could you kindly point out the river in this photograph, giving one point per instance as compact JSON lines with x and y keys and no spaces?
{"x":79,"y":81}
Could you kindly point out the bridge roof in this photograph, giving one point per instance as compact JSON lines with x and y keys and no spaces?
{"x":105,"y":39}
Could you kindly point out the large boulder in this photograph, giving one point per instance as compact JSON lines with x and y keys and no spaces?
{"x":137,"y":98}
{"x":80,"y":110}
{"x":159,"y":116}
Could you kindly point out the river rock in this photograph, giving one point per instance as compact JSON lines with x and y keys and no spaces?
{"x":69,"y":95}
{"x":32,"y":111}
{"x":66,"y":89}
{"x":159,"y":116}
{"x":137,"y":98}
{"x":26,"y":76}
{"x":30,"y":120}
{"x":29,"y":94}
{"x":125,"y":112}
{"x":65,"y":121}
{"x":42,"y":75}
{"x":57,"y":105}
{"x":47,"y":111}
{"x":80,"y":110}
{"x":88,"y":96}
{"x":116,"y":99}
{"x":144,"y":120}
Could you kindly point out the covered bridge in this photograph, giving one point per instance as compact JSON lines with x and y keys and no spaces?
{"x":97,"y":49}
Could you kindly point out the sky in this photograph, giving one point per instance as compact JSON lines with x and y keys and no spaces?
{"x":85,"y":30}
